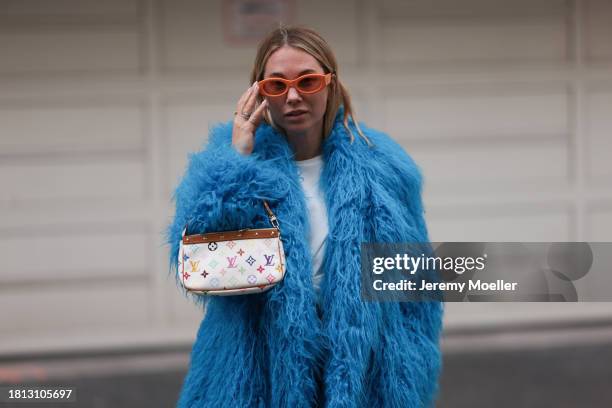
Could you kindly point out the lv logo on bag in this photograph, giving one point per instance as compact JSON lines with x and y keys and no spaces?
{"x":194,"y":265}
{"x":231,"y":261}
{"x":269,"y":260}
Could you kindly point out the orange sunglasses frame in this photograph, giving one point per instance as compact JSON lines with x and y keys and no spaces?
{"x":290,"y":82}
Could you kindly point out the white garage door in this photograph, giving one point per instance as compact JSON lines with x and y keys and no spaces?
{"x":506,"y":105}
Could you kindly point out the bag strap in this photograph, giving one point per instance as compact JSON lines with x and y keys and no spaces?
{"x":271,"y":216}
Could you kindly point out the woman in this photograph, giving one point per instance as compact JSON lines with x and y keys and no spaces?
{"x":311,"y":340}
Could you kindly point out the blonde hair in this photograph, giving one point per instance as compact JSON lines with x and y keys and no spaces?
{"x":311,"y":42}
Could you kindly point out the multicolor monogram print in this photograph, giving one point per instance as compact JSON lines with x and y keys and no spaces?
{"x":231,"y":267}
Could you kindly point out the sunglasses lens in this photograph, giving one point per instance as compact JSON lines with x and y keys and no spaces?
{"x":310,"y":84}
{"x":274,"y":87}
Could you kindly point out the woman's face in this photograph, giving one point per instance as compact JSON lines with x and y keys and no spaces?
{"x":289,"y":63}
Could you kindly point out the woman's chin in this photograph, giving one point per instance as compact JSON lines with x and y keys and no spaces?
{"x":296,"y":127}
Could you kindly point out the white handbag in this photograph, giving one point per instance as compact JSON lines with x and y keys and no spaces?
{"x":236,"y":262}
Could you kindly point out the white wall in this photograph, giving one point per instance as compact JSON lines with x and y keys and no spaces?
{"x":505,"y":105}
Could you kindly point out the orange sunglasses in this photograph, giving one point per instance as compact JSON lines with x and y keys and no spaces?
{"x":305,"y":84}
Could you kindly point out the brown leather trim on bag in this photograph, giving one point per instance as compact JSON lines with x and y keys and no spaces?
{"x":229,"y":292}
{"x":231,"y":235}
{"x":281,"y":259}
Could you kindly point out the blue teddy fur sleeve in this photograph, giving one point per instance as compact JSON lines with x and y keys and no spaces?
{"x":222,"y":190}
{"x":401,"y":201}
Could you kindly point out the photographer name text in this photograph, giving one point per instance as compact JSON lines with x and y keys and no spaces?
{"x":408,"y":285}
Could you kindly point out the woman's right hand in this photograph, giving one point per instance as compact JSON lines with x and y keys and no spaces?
{"x":246,"y":120}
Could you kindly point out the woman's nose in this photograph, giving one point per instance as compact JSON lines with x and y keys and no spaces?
{"x":293,"y":94}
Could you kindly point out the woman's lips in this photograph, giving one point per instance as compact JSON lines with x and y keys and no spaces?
{"x":297,"y":115}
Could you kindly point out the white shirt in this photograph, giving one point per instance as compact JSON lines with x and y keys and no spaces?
{"x":310,"y":173}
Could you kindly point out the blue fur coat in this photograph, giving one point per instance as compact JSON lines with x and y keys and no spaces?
{"x":271,"y":349}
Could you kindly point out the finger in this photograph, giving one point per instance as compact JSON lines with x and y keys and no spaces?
{"x":249,"y":105}
{"x":243,"y":97}
{"x":257,"y":116}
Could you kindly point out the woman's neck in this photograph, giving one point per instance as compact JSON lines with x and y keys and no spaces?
{"x":307,"y":145}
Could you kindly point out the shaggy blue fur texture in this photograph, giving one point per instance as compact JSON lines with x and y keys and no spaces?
{"x":269,"y":349}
